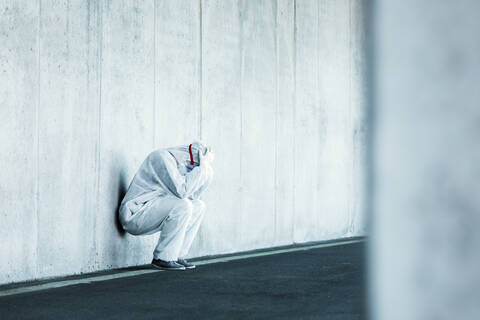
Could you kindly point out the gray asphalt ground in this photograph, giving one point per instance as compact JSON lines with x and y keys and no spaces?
{"x":323,"y":283}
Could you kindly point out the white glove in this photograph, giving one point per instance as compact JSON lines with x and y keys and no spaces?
{"x":206,"y":158}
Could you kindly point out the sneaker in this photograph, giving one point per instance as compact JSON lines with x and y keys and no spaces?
{"x":186,"y":264}
{"x":167,"y":265}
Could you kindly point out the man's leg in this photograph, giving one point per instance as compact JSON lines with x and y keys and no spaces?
{"x":173,"y":229}
{"x":198,"y":208}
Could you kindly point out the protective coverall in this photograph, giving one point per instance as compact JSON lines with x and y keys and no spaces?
{"x":164,"y":196}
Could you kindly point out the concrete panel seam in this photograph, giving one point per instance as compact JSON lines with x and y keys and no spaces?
{"x":37,"y":136}
{"x":154,"y":117}
{"x":317,"y":102}
{"x":242,"y":76}
{"x":99,"y":124}
{"x":200,"y":71}
{"x":275,"y":177}
{"x":294,"y":112}
{"x":350,"y":118}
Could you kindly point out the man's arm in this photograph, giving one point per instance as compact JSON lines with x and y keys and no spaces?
{"x":182,"y":186}
{"x":203,"y":187}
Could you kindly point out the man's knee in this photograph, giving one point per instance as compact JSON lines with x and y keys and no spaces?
{"x":183,"y":207}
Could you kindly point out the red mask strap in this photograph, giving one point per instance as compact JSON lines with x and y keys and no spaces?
{"x":191,"y":155}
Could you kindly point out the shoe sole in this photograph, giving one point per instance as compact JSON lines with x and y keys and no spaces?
{"x":168,"y":269}
{"x":190,"y":268}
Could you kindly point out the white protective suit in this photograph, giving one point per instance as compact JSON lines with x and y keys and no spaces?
{"x":164,"y":196}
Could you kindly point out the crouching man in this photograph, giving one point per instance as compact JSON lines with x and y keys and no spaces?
{"x":164,"y":197}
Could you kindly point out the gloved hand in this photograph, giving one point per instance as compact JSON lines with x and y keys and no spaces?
{"x":207,"y":158}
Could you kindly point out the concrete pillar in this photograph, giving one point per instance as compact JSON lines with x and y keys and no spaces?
{"x":425,"y":257}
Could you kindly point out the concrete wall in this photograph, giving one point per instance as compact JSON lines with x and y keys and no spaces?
{"x":89,"y":88}
{"x":425,"y":249}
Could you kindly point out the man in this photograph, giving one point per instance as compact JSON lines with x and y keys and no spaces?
{"x":164,"y":196}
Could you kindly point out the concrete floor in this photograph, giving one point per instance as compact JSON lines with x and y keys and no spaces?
{"x":324,"y":283}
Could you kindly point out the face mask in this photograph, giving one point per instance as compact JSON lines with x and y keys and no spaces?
{"x":190,"y":163}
